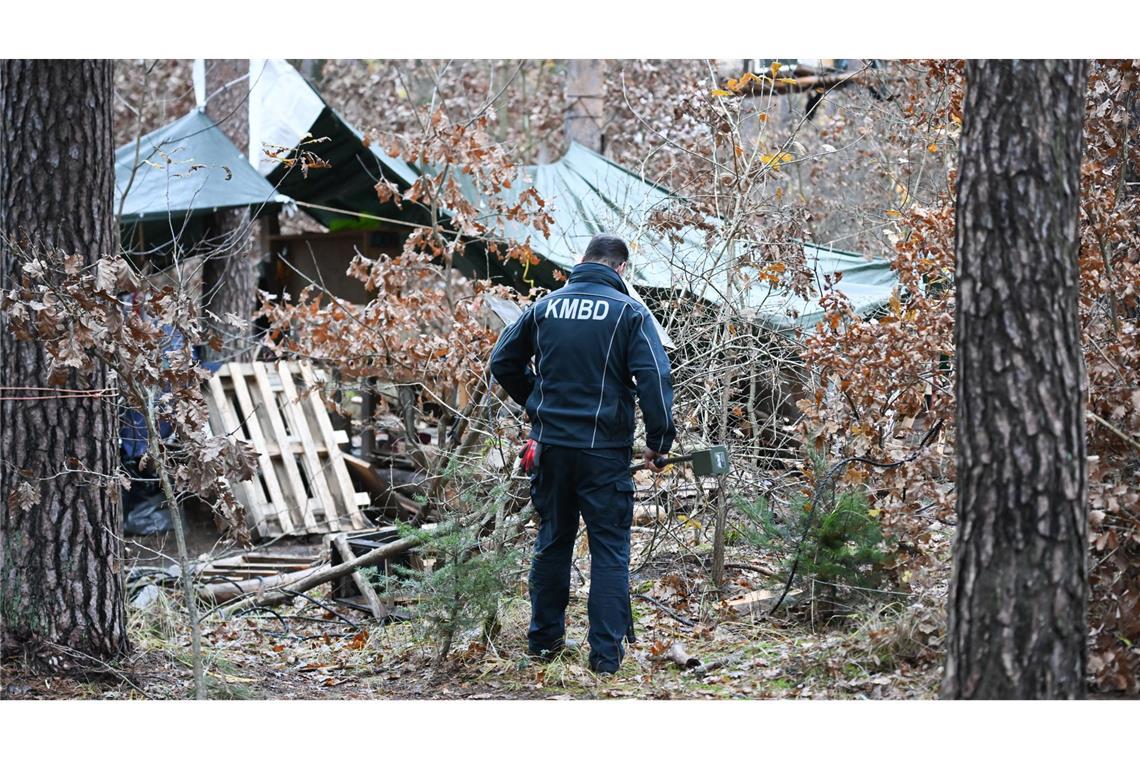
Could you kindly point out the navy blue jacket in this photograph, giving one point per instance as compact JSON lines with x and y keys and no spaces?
{"x":590,"y":342}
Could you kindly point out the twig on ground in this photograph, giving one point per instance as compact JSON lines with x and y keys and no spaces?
{"x":679,"y":618}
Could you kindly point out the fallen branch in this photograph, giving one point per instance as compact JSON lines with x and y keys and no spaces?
{"x":1120,"y":433}
{"x":331,"y":573}
{"x":375,"y":606}
{"x":753,"y":568}
{"x":679,"y":618}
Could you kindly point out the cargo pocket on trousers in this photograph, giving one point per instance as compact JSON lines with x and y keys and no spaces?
{"x":625,"y":487}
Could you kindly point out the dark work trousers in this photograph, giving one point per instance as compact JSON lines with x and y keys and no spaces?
{"x":596,"y":484}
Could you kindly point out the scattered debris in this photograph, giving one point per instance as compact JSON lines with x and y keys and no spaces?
{"x":146,"y":596}
{"x":147,"y":517}
{"x":760,"y":602}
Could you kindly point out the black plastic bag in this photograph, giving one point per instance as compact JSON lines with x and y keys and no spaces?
{"x":147,"y":517}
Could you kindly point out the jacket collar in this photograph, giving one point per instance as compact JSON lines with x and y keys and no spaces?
{"x":591,"y":271}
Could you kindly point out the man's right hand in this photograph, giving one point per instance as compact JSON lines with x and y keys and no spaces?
{"x":650,"y":456}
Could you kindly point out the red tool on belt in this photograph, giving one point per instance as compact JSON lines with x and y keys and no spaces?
{"x":529,"y":456}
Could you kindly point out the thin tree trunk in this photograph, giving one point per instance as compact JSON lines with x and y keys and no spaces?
{"x":60,"y":512}
{"x":1019,"y":594}
{"x":231,"y":271}
{"x":185,"y":570}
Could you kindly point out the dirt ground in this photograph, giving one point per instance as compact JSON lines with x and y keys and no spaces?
{"x":320,"y":649}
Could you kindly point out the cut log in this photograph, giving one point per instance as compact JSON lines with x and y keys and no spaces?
{"x":678,"y":655}
{"x":253,"y":588}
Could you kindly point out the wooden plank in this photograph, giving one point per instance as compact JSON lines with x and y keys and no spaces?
{"x":247,"y":491}
{"x":260,"y":556}
{"x":304,"y":514}
{"x":255,"y":565}
{"x":295,"y":447}
{"x":295,"y":412}
{"x":363,"y":468}
{"x":277,"y":506}
{"x":336,"y":461}
{"x":255,"y":569}
{"x":213,"y":413}
{"x":243,"y":368}
{"x":375,"y":606}
{"x":239,"y":562}
{"x":247,"y":572}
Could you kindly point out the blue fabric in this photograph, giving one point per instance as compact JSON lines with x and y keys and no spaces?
{"x":133,"y":433}
{"x":590,"y":342}
{"x":596,"y":484}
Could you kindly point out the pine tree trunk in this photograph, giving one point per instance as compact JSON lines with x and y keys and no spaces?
{"x":62,"y":581}
{"x":1019,"y":594}
{"x":231,"y":272}
{"x":584,"y":120}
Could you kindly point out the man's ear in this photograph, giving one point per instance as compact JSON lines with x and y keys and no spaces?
{"x":620,"y":268}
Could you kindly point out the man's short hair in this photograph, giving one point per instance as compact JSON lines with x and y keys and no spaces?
{"x":607,"y":249}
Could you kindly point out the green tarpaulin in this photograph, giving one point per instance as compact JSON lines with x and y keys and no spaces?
{"x":189,"y":166}
{"x":185,"y":168}
{"x":587,"y":194}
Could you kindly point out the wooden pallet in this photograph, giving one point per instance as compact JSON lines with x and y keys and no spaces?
{"x":302,"y":484}
{"x":255,"y":564}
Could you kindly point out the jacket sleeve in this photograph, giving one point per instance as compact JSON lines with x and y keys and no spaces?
{"x":650,"y":367}
{"x":510,"y":359}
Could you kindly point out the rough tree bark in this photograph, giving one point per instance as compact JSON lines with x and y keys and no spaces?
{"x":1019,"y":593}
{"x":231,"y":272}
{"x":584,"y":121}
{"x":60,"y":514}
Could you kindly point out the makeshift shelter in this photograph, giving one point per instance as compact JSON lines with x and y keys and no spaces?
{"x":190,"y":167}
{"x":585,"y":192}
{"x":178,"y":174}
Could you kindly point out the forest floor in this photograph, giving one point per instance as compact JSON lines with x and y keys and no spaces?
{"x":306,"y":655}
{"x":885,"y":647}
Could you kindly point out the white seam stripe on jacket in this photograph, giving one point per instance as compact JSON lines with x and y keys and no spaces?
{"x":538,"y":369}
{"x":602,"y":395}
{"x":660,"y":379}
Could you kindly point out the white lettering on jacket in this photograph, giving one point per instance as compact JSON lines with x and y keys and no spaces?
{"x":577,"y":308}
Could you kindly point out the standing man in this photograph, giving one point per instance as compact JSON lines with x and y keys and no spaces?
{"x":594,"y":347}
